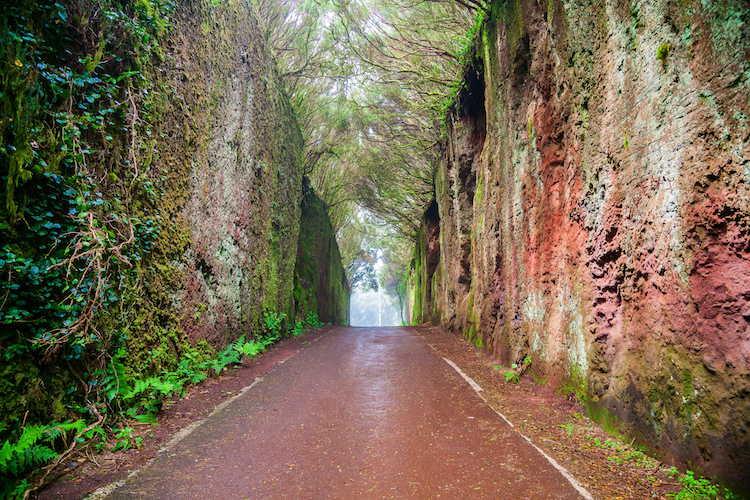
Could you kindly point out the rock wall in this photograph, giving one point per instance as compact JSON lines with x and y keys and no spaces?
{"x":594,"y":214}
{"x":244,"y":187}
{"x":151,"y":187}
{"x":320,"y":283}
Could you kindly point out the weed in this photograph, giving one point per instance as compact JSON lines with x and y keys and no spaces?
{"x":298,"y":329}
{"x":576,"y":387}
{"x":511,"y":377}
{"x":697,"y":488}
{"x":147,"y":396}
{"x":538,"y":380}
{"x":96,"y":436}
{"x":637,"y":457}
{"x":249,"y":349}
{"x":312,"y":320}
{"x":272,"y":324}
{"x":125,"y":440}
{"x":33,"y":448}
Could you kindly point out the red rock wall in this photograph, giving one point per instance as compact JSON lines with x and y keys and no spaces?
{"x":594,"y":203}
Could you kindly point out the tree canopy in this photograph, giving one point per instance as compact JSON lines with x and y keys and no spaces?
{"x":371,"y":82}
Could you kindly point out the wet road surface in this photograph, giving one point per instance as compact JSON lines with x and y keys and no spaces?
{"x":357,"y":413}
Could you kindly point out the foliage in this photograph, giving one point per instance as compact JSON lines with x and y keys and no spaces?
{"x":68,"y":110}
{"x":82,"y":197}
{"x":575,"y":388}
{"x":138,"y":398}
{"x":370,"y":82}
{"x":298,"y":329}
{"x":569,"y":427}
{"x":124,"y":439}
{"x":394,"y":273}
{"x":36,"y":446}
{"x":361,"y":272}
{"x":312,"y":320}
{"x":79,"y":199}
{"x":142,"y":398}
{"x":272,"y":324}
{"x":626,"y":455}
{"x":698,"y":488}
{"x":251,"y":348}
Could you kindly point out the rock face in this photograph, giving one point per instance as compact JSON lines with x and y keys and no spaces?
{"x":235,"y":150}
{"x":593,"y":213}
{"x":179,"y":187}
{"x":245,"y":182}
{"x":320,"y":283}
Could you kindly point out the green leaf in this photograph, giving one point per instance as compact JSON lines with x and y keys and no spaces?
{"x":146,"y":418}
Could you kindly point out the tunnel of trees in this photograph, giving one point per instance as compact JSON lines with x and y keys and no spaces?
{"x":185,"y":182}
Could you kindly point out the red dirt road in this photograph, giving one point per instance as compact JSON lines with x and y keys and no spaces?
{"x":357,"y":413}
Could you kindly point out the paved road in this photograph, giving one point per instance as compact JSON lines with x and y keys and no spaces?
{"x":358,"y":413}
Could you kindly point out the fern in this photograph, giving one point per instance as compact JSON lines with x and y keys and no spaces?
{"x":229,"y":356}
{"x":54,"y":431}
{"x":33,"y":448}
{"x":250,"y":349}
{"x":32,"y":458}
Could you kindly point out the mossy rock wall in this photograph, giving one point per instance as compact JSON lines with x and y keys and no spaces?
{"x":593,"y":202}
{"x":424,"y":275}
{"x":320,"y":283}
{"x":243,"y":190}
{"x":175,"y":158}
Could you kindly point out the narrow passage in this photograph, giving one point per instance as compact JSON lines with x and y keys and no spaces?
{"x":359,"y":413}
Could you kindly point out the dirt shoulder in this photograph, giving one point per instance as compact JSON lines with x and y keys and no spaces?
{"x":607,"y":468}
{"x":558,"y":426}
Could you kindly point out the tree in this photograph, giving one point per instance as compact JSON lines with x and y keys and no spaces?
{"x":371,"y":83}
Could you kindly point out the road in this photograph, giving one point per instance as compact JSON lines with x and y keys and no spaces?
{"x":357,"y":413}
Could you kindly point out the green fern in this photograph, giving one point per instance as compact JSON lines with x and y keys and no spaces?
{"x":249,"y":349}
{"x":33,"y":447}
{"x":165,"y":387}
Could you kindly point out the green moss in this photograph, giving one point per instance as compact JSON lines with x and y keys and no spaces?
{"x":420,"y":309}
{"x":687,"y":393}
{"x":530,"y":130}
{"x":606,"y":419}
{"x":478,"y":339}
{"x":478,"y":192}
{"x":320,"y":284}
{"x":513,"y":18}
{"x":662,"y":53}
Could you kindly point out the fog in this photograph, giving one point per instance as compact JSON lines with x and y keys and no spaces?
{"x":373,"y":309}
